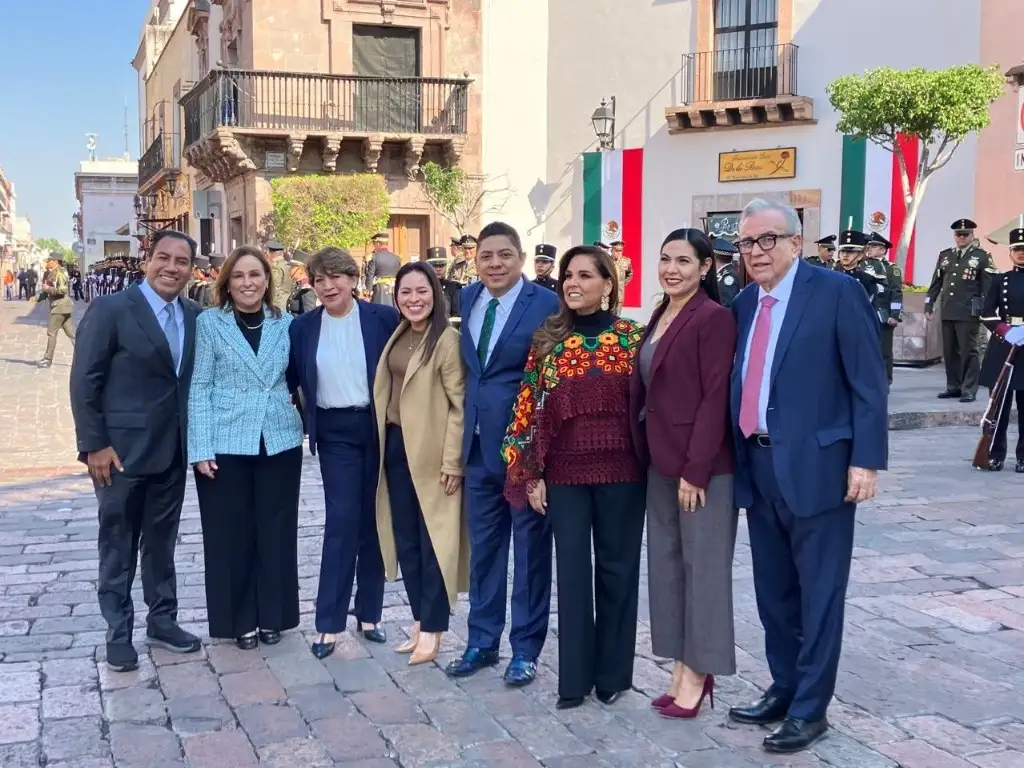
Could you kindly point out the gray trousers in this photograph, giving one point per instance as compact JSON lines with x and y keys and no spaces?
{"x":689,"y":565}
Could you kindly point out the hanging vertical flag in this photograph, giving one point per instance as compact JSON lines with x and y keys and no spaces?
{"x":872,"y":192}
{"x":613,"y":208}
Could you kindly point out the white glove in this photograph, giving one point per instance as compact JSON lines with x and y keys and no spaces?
{"x":1015,"y":336}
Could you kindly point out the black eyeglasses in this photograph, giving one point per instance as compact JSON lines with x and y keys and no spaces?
{"x":963,"y":233}
{"x":766,"y":242}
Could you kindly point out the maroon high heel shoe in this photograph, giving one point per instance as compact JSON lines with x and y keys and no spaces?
{"x":675,"y":712}
{"x":662,"y":701}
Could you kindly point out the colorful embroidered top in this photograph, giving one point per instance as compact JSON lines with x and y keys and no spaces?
{"x":570,"y":421}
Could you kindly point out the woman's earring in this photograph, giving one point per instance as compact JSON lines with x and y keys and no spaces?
{"x":605,"y":303}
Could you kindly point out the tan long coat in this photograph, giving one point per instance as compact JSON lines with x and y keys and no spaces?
{"x":432,"y":419}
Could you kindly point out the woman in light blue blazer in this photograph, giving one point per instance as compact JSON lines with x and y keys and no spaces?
{"x":244,"y":439}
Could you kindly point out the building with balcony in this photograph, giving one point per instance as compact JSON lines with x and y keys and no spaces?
{"x":106,"y":190}
{"x":715,"y":92}
{"x":298,"y":87}
{"x":7,"y":220}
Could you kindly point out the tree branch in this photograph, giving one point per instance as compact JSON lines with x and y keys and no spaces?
{"x":941,"y":159}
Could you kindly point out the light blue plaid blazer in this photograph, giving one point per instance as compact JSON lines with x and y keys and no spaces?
{"x":238,"y":396}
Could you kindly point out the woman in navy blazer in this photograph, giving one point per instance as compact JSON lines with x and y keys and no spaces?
{"x":335,"y":351}
{"x":680,"y":417}
{"x":245,"y":440}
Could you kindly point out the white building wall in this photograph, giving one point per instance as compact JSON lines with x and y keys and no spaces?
{"x":106,"y":207}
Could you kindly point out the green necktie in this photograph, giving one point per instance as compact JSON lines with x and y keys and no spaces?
{"x":485,"y":331}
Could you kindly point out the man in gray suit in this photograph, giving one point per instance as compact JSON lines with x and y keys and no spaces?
{"x":129,"y":397}
{"x":381,"y":269}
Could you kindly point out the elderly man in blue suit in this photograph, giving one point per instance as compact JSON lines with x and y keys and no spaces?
{"x":499,"y":316}
{"x":809,"y":419}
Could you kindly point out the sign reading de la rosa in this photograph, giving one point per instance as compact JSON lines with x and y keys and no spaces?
{"x":757,"y":164}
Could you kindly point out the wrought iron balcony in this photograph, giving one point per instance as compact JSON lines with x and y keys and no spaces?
{"x":159,"y":157}
{"x":741,"y":87}
{"x":316,"y":104}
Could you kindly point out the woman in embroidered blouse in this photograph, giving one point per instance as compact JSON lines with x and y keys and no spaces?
{"x":245,"y":438}
{"x":570,"y":454}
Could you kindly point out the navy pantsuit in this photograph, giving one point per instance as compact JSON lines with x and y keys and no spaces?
{"x":493,"y":523}
{"x":826,"y":412}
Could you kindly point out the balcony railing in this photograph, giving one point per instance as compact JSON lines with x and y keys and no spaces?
{"x":314,"y":103}
{"x":162,"y":154}
{"x":757,"y":72}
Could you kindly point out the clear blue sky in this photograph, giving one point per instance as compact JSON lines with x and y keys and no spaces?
{"x":65,"y":71}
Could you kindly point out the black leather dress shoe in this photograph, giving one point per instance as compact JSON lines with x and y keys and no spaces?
{"x":795,"y":735}
{"x":122,"y":657}
{"x":521,"y":671}
{"x":1019,"y":469}
{"x":375,"y":635}
{"x":968,"y":398}
{"x":322,"y":649}
{"x":569,"y":703}
{"x":471,"y":662}
{"x":995,"y":465}
{"x":608,"y":697}
{"x":270,"y":636}
{"x":173,"y":638}
{"x":949,"y":394}
{"x":248,"y":642}
{"x":768,"y":709}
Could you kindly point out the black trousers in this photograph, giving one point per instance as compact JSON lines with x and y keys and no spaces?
{"x":961,"y":352}
{"x":887,"y":334}
{"x":424,"y":584}
{"x":597,"y":606}
{"x":998,"y":451}
{"x":139,"y":514}
{"x":250,"y":513}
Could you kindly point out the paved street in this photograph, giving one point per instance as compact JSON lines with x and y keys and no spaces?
{"x":932,"y":672}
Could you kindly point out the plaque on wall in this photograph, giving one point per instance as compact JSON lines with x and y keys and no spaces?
{"x":757,"y":164}
{"x":275,"y":161}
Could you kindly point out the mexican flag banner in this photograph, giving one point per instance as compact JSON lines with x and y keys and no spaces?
{"x":613,"y":208}
{"x":872,"y":193}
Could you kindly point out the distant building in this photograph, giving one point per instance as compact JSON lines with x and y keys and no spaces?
{"x":106,"y":190}
{"x":6,"y":221}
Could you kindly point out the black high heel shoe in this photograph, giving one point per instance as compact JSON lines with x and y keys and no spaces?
{"x":322,"y":650}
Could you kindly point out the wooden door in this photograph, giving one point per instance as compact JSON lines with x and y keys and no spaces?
{"x":410,"y":236}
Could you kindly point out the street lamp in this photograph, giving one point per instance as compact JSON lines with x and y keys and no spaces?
{"x":138,"y":205}
{"x":604,"y":124}
{"x":172,"y":185}
{"x":151,"y":199}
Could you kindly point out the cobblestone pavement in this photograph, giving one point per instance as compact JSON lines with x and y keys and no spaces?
{"x":931,"y":674}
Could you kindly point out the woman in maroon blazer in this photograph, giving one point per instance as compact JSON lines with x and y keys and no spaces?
{"x":679,"y":402}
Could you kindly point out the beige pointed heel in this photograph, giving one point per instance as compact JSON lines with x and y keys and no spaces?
{"x":410,"y":645}
{"x":427,"y":648}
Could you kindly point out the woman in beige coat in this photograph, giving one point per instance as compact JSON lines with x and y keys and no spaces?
{"x":420,"y":523}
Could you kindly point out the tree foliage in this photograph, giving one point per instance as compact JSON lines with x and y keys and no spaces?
{"x":459,"y":197}
{"x":940,"y":107}
{"x":48,"y":245}
{"x":340,"y":210}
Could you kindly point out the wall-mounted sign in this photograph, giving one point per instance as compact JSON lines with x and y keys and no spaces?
{"x":757,"y":164}
{"x":1020,"y":116}
{"x":274,"y":161}
{"x":1018,"y":159}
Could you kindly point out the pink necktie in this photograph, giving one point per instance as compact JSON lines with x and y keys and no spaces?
{"x":751,"y":396}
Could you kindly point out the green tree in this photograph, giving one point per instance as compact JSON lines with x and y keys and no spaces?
{"x":459,"y":197}
{"x":340,"y":210}
{"x":48,"y":245}
{"x":940,"y":107}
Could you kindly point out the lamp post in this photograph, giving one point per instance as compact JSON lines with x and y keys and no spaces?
{"x":137,"y":201}
{"x":172,"y":185}
{"x":604,"y":124}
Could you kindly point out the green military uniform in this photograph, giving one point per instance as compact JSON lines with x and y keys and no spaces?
{"x":962,"y":278}
{"x":825,"y":257}
{"x":462,"y":269}
{"x":888,"y":298}
{"x":280,"y":276}
{"x":55,"y":289}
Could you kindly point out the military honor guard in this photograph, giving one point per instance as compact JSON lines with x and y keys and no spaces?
{"x":56,"y":289}
{"x":438,"y":259}
{"x":725,"y":270}
{"x":462,"y":269}
{"x":200,"y":278}
{"x":959,"y":285}
{"x":851,"y":257}
{"x":888,"y":298}
{"x":1003,"y":315}
{"x":826,"y":255}
{"x":280,"y":275}
{"x":381,"y":270}
{"x":624,"y":266}
{"x":544,"y":265}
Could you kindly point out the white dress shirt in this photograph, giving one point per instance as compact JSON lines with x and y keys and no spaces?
{"x":341,"y":362}
{"x":476,"y":315}
{"x":159,"y":306}
{"x":781,"y":293}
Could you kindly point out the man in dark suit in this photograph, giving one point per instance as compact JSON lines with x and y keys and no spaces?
{"x":500,"y":313}
{"x":802,"y":463}
{"x":129,"y":397}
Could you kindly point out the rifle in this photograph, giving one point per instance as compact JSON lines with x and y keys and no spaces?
{"x":996,"y":403}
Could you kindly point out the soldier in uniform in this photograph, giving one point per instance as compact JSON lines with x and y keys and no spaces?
{"x":303,"y":298}
{"x":200,"y":277}
{"x":280,"y":275}
{"x":826,"y":255}
{"x":460,"y":270}
{"x":544,"y":265}
{"x":623,"y":264}
{"x":438,"y":259}
{"x":725,"y":264}
{"x":851,"y":257}
{"x":1003,"y":315}
{"x":959,"y":285}
{"x":55,"y":289}
{"x":381,"y":269}
{"x":888,"y":299}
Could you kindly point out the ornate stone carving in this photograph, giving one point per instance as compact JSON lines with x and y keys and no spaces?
{"x":220,"y":156}
{"x":453,"y":149}
{"x":296,"y":141}
{"x":413,"y":154}
{"x":372,"y":147}
{"x":329,"y":153}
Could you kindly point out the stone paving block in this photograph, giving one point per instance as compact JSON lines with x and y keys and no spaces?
{"x":144,"y":746}
{"x":70,"y":701}
{"x":500,"y":754}
{"x":192,"y":715}
{"x":298,"y":670}
{"x":295,"y":753}
{"x":227,"y":658}
{"x":920,"y":754}
{"x":999,"y":760}
{"x":134,"y":705}
{"x":24,"y":755}
{"x":19,"y":685}
{"x":162,"y":657}
{"x":251,"y":687}
{"x":319,"y":702}
{"x":350,"y":737}
{"x":18,"y":722}
{"x":354,"y":675}
{"x":269,"y":723}
{"x":60,"y":672}
{"x":112,"y":681}
{"x":223,"y":749}
{"x":387,"y":707}
{"x":544,"y":737}
{"x":74,"y":739}
{"x":420,"y":745}
{"x":463,"y":722}
{"x":187,"y":680}
{"x":428,"y":683}
{"x":946,"y":735}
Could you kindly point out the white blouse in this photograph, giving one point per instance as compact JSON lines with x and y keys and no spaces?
{"x":341,"y":363}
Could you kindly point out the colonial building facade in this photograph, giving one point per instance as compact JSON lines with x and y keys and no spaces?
{"x":105,"y":190}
